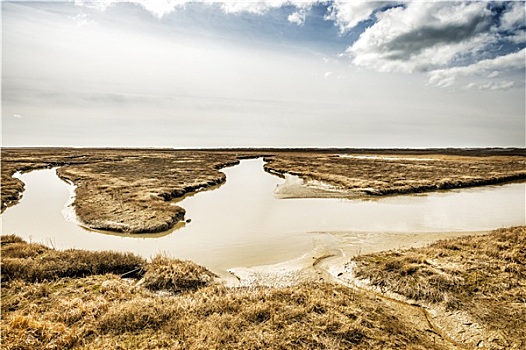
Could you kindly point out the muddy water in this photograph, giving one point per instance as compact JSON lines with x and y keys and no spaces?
{"x":242,"y":223}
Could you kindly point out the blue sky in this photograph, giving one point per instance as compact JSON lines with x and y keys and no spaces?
{"x":263,"y":74}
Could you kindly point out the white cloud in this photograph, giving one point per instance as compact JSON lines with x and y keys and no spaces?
{"x":348,"y":14}
{"x":82,"y":19}
{"x":406,"y":36}
{"x":158,"y":8}
{"x":100,"y":5}
{"x":518,"y":37}
{"x":297,"y":17}
{"x":448,"y":76}
{"x":161,"y":8}
{"x":500,"y":85}
{"x":512,"y":20}
{"x":514,"y":17}
{"x":423,"y":36}
{"x":261,"y":7}
{"x":254,"y":6}
{"x":493,"y":74}
{"x":450,"y":40}
{"x":17,"y":116}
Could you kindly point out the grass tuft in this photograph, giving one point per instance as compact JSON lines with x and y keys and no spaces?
{"x":109,"y":312}
{"x":176,"y":275}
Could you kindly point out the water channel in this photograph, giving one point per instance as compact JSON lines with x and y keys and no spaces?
{"x":242,"y":223}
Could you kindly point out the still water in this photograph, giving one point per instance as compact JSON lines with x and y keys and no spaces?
{"x":242,"y":223}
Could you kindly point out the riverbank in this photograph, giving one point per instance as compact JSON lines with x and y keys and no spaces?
{"x":358,"y":175}
{"x":129,"y":190}
{"x":470,"y":294}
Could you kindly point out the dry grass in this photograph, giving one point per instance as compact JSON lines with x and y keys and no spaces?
{"x":122,"y":190}
{"x":108,"y":312}
{"x":34,"y":262}
{"x":484,"y":276}
{"x":133,"y":195}
{"x":28,"y":159}
{"x":175,"y":275}
{"x":403,"y":173}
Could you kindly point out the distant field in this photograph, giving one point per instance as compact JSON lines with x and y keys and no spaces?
{"x":128,"y":190}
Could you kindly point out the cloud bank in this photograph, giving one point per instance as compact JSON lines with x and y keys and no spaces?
{"x":446,"y":39}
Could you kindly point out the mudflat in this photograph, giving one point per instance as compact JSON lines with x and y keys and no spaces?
{"x":130,"y":190}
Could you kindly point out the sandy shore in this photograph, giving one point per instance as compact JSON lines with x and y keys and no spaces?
{"x":329,"y":258}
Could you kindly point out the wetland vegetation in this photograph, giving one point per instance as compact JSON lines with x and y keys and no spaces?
{"x":129,"y":190}
{"x":465,"y":292}
{"x":470,"y":295}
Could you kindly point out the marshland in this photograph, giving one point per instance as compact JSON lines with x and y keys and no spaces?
{"x":263,"y":175}
{"x":353,"y":285}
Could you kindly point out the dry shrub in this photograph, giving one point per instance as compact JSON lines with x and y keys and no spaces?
{"x":23,"y":250}
{"x":175,"y":275}
{"x":7,"y":239}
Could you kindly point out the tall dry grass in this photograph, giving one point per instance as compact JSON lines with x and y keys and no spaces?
{"x":109,"y":312}
{"x":176,"y":275}
{"x":35,"y":262}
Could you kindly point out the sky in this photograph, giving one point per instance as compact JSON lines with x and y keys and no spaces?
{"x":200,"y":74}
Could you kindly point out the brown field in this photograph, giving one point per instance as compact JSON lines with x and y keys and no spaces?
{"x":474,"y":286}
{"x":129,"y":190}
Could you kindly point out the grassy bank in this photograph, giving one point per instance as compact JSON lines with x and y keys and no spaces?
{"x":387,"y":174}
{"x":479,"y":282}
{"x":124,"y":302}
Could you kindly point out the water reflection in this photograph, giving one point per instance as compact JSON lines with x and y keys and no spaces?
{"x":242,"y":224}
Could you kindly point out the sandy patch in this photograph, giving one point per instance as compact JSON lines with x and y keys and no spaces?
{"x":296,"y":187}
{"x":329,"y":259}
